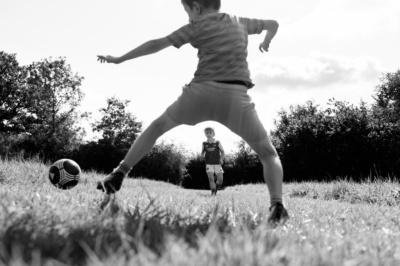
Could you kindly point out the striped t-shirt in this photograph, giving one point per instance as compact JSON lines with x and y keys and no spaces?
{"x":221,"y":40}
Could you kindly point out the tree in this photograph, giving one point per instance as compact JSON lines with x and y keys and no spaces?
{"x":247,"y":165}
{"x":316,"y":144}
{"x":388,"y":96}
{"x":119,"y":130}
{"x":53,"y":126}
{"x":14,"y":95}
{"x":118,"y":125}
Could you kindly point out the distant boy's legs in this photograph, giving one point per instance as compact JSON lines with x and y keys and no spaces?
{"x":211,"y":180}
{"x":212,"y":171}
{"x":220,"y":179}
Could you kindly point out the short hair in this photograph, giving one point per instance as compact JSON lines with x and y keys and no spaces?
{"x":215,"y":4}
{"x":209,"y":129}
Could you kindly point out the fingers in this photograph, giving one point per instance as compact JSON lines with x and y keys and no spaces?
{"x":102,"y":59}
{"x":263,"y":48}
{"x":106,"y":187}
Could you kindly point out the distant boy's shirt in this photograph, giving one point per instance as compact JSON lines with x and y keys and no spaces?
{"x":221,"y":40}
{"x":212,"y":152}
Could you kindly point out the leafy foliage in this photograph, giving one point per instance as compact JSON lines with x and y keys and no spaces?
{"x":119,"y":130}
{"x":342,"y":140}
{"x":388,"y":95}
{"x":39,"y":106}
{"x":54,"y":130}
{"x":164,"y":162}
{"x":15,"y":97}
{"x":119,"y":126}
{"x":98,"y":156}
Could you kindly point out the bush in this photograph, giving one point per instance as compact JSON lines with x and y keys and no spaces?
{"x":164,"y":162}
{"x":196,"y":174}
{"x":9,"y":144}
{"x":99,"y":156}
{"x":342,"y":140}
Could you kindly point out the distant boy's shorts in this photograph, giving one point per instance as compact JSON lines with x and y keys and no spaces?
{"x":228,"y":104}
{"x":214,"y":168}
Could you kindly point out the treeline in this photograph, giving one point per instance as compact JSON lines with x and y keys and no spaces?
{"x":39,"y":117}
{"x":343,"y":140}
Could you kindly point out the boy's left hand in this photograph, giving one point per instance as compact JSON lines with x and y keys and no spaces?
{"x":264,"y":47}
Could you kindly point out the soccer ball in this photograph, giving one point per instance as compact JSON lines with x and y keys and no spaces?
{"x":64,"y":174}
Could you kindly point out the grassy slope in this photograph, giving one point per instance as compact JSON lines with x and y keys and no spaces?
{"x":155,"y":223}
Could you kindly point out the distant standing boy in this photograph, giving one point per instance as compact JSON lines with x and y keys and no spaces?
{"x":213,"y":154}
{"x":217,"y":92}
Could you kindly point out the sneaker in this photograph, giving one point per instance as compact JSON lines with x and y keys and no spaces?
{"x":278,"y":215}
{"x":112,"y":183}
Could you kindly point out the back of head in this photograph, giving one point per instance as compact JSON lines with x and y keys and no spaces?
{"x":214,"y":4}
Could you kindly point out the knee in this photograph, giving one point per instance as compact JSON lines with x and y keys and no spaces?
{"x":159,"y":125}
{"x":266,"y":151}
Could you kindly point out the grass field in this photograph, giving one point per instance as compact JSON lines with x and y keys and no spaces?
{"x":155,"y":223}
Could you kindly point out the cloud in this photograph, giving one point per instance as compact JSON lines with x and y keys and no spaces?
{"x":314,"y":71}
{"x":342,"y":19}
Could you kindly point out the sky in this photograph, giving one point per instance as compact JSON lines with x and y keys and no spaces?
{"x":323,"y":49}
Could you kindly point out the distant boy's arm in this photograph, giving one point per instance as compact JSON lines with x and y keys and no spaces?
{"x":146,"y":48}
{"x":222,"y":152}
{"x":203,"y":151}
{"x":271,"y":26}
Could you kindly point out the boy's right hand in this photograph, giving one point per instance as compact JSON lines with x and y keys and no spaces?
{"x":108,"y":59}
{"x":264,"y":46}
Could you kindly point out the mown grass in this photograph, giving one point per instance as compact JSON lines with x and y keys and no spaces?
{"x":156,"y":223}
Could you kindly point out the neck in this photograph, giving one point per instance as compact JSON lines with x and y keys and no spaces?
{"x":206,"y":12}
{"x":209,"y":11}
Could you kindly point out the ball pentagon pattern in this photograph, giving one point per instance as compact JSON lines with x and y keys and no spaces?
{"x":64,"y":174}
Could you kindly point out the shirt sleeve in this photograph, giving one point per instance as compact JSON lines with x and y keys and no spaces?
{"x":181,"y":36}
{"x":253,"y":26}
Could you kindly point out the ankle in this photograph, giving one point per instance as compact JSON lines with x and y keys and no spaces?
{"x":276,"y":200}
{"x":123,"y":168}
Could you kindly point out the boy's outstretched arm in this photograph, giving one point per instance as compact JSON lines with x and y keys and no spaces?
{"x":146,"y":48}
{"x":271,"y":26}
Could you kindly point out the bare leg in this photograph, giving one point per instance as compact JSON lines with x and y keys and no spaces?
{"x":272,"y":168}
{"x":113,"y":182}
{"x":146,"y":140}
{"x":220,"y":179}
{"x":211,"y":180}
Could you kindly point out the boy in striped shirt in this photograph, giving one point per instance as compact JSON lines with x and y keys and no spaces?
{"x":213,"y":154}
{"x":217,"y":92}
